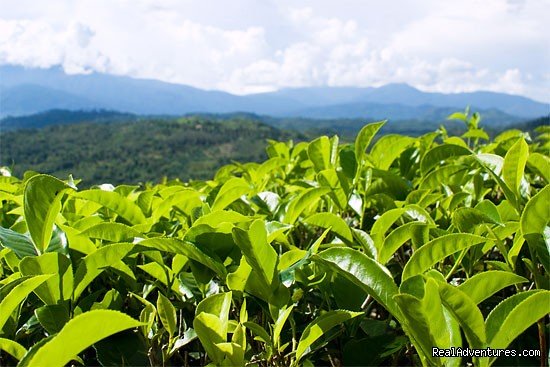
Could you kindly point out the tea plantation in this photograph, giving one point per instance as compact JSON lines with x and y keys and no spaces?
{"x":325,"y":254}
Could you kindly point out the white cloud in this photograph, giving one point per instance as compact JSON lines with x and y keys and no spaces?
{"x":247,"y":46}
{"x":39,"y":44}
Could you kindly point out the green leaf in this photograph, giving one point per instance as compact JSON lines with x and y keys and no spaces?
{"x":366,"y":243}
{"x":233,"y":189}
{"x":438,"y":249}
{"x":336,"y":182}
{"x":60,"y":286}
{"x":258,"y":252}
{"x":280,"y":323}
{"x":18,"y":295}
{"x":363,"y":140}
{"x":390,"y":185}
{"x":17,"y":242}
{"x":217,"y":305}
{"x":147,"y":316}
{"x":183,"y":199}
{"x":302,"y":202}
{"x":483,"y":285}
{"x":42,"y":204}
{"x":115,"y":202}
{"x":244,"y":279}
{"x":388,"y":218}
{"x":396,"y":239}
{"x":318,"y":327}
{"x":514,"y":164}
{"x":493,"y":165}
{"x":332,"y":221}
{"x":319,"y":152}
{"x":465,"y":312}
{"x":13,"y":348}
{"x":111,"y":300}
{"x":95,"y":263}
{"x":259,"y":331}
{"x":216,"y":218}
{"x":446,"y":175}
{"x":167,"y":314}
{"x":348,"y":161}
{"x":58,"y":242}
{"x":210,"y":333}
{"x":233,"y":354}
{"x":211,"y":324}
{"x":78,"y":334}
{"x":476,"y":134}
{"x":188,"y":336}
{"x":514,"y":315}
{"x":365,"y":272}
{"x":508,"y":134}
{"x":383,"y":224}
{"x":186,"y":248}
{"x":162,"y":273}
{"x":111,"y":231}
{"x":489,"y":209}
{"x":214,"y":241}
{"x":534,"y":225}
{"x":541,"y":163}
{"x":434,"y":311}
{"x":388,"y":148}
{"x":418,"y":324}
{"x":52,"y":317}
{"x":535,"y":216}
{"x":440,"y":153}
{"x":466,"y":219}
{"x":459,"y":116}
{"x":77,"y":241}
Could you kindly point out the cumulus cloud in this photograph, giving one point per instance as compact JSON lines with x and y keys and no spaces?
{"x":247,"y":46}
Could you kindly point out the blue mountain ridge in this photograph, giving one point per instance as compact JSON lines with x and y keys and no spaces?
{"x":25,"y":91}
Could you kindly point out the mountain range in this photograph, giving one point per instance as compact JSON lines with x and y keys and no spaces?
{"x":26,"y":91}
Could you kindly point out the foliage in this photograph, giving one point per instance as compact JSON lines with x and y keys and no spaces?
{"x":137,"y":149}
{"x":335,"y":254}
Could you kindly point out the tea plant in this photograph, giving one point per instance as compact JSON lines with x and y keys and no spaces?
{"x":325,"y":254}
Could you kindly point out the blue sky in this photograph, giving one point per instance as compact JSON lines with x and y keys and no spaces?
{"x":247,"y":46}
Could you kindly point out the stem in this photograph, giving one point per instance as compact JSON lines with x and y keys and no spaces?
{"x":294,"y":342}
{"x":331,"y":361}
{"x":542,"y":343}
{"x":456,"y":265}
{"x":366,"y":302}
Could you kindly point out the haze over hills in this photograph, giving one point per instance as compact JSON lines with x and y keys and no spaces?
{"x":26,"y":91}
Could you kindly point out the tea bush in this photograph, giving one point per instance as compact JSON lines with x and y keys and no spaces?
{"x":325,"y":254}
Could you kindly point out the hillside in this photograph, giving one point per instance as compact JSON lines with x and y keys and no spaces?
{"x":137,"y":151}
{"x":345,"y":127}
{"x":62,"y":117}
{"x":116,"y":147}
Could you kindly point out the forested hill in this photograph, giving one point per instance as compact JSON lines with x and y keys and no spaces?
{"x":107,"y":146}
{"x":137,"y":151}
{"x":62,"y":117}
{"x":345,"y":127}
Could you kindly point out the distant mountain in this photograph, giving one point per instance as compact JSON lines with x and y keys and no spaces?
{"x":140,"y":96}
{"x":31,"y":98}
{"x":359,"y":99}
{"x":399,"y":112}
{"x":25,"y":91}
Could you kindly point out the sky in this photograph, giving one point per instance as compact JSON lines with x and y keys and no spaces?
{"x":251,"y":46}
